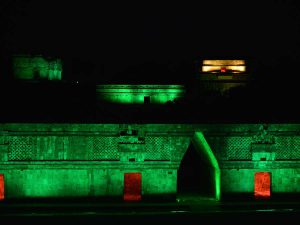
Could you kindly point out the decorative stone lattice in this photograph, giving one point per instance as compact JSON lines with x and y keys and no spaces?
{"x":157,"y":148}
{"x":21,"y":148}
{"x":239,"y":148}
{"x":231,"y":148}
{"x":287,"y":147}
{"x":103,"y":148}
{"x":178,"y":146}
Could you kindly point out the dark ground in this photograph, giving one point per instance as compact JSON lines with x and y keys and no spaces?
{"x":185,"y":210}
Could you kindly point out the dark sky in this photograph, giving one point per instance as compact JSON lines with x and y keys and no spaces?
{"x":112,"y":38}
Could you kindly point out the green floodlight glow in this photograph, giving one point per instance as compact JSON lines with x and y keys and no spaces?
{"x":26,"y":67}
{"x":203,"y":147}
{"x":136,"y":94}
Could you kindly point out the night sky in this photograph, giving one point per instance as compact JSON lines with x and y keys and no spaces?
{"x":125,"y":39}
{"x":150,"y":42}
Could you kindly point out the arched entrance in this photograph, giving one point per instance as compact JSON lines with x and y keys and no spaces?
{"x":199,"y":173}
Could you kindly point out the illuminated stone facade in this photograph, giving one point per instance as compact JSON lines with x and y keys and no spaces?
{"x":90,"y":160}
{"x":140,"y":94}
{"x":221,"y":76}
{"x":166,"y":159}
{"x":27,"y":67}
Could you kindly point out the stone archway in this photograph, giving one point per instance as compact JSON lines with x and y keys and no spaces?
{"x":199,"y":172}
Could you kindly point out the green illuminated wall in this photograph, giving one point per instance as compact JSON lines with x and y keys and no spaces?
{"x":204,"y":149}
{"x":26,"y":67}
{"x":83,"y":181}
{"x":273,"y":148}
{"x":241,"y":181}
{"x":77,"y":160}
{"x":65,"y":160}
{"x":135,"y":94}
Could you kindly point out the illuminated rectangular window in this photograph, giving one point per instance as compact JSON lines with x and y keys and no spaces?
{"x":1,"y":187}
{"x":223,"y":66}
{"x":262,"y":185}
{"x":132,"y":187}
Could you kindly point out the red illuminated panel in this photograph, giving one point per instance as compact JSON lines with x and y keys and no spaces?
{"x":262,"y":186}
{"x":223,"y":69}
{"x":1,"y":187}
{"x":132,"y":186}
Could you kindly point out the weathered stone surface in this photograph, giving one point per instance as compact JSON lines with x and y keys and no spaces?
{"x":65,"y":160}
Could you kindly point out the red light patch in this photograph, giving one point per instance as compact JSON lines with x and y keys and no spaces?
{"x":223,"y":70}
{"x":132,"y":187}
{"x":262,"y":186}
{"x":1,"y":187}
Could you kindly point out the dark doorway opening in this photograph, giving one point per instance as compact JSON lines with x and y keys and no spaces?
{"x":146,"y":99}
{"x":195,"y":176}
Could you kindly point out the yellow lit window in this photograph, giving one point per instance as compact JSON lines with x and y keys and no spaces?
{"x":223,"y":66}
